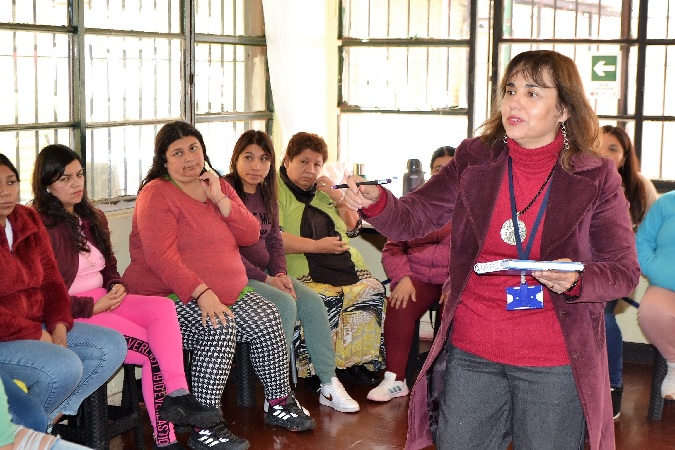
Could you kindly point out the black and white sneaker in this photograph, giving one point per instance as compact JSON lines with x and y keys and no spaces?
{"x":216,"y":438}
{"x":186,"y":410}
{"x":289,"y":415}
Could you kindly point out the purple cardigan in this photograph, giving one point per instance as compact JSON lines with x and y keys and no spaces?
{"x":586,"y":220}
{"x":425,"y":258}
{"x":67,"y":258}
{"x":267,"y":254}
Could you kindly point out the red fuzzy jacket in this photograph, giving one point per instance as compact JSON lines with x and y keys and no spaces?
{"x":32,"y":291}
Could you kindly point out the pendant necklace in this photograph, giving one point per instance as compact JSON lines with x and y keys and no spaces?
{"x":508,"y":232}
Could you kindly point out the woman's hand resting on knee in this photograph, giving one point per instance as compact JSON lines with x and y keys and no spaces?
{"x":402,"y":293}
{"x":212,"y":309}
{"x":282,"y":282}
{"x":111,"y":300}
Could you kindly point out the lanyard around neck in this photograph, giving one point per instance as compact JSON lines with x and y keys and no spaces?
{"x":524,"y":254}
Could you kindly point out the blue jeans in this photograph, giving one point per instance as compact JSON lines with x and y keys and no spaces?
{"x":8,"y":429}
{"x":22,"y":407}
{"x":60,"y":378}
{"x":614,"y":346}
{"x":487,"y":405}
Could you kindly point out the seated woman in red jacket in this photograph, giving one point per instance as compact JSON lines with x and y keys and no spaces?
{"x":417,"y":270}
{"x":60,"y":362}
{"x":81,"y":242}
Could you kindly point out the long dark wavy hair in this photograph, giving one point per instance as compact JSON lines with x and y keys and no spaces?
{"x":50,"y":165}
{"x":166,"y":136}
{"x":583,"y":130}
{"x":268,"y":187}
{"x":634,"y":189}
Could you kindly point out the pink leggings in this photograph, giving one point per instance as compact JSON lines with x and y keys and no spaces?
{"x":399,"y":326}
{"x":656,"y":316}
{"x":148,"y":321}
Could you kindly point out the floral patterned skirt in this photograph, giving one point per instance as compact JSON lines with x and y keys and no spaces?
{"x":356,"y":314}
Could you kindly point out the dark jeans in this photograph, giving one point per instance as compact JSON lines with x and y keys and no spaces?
{"x":487,"y":405}
{"x":614,"y":346}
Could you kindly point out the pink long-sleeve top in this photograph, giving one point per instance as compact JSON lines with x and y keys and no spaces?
{"x":425,"y":259}
{"x":68,"y":261}
{"x":178,"y":243}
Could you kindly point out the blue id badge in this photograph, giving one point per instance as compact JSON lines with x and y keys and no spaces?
{"x":524,"y":296}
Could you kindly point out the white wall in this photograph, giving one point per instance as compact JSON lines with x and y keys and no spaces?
{"x":120,"y":228}
{"x":626,"y":316}
{"x":119,"y":221}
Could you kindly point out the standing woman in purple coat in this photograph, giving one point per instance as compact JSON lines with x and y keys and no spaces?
{"x":520,"y":358}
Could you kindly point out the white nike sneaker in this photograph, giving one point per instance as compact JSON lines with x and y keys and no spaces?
{"x":389,"y":388}
{"x":335,"y":396}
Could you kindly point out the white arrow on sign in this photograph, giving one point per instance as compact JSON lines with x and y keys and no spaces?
{"x":600,"y":68}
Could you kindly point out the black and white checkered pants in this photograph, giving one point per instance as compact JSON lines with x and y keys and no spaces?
{"x":212,"y":352}
{"x":258,"y":323}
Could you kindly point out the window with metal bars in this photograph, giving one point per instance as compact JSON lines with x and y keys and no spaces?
{"x":103,"y":77}
{"x":418,"y":74}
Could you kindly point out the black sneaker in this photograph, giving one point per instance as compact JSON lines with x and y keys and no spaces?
{"x":617,"y":393}
{"x":186,"y":410}
{"x":216,"y":438}
{"x":358,"y":374}
{"x":313,"y":383}
{"x":290,"y":416}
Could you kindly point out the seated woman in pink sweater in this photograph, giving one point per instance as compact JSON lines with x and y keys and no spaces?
{"x":81,"y":242}
{"x":417,"y":270}
{"x":186,"y":231}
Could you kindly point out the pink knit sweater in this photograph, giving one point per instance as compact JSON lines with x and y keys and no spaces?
{"x":177,"y":243}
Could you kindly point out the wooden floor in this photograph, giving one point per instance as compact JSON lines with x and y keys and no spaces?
{"x":383,"y":426}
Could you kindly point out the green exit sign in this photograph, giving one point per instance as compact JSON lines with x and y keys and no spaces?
{"x":603,"y":67}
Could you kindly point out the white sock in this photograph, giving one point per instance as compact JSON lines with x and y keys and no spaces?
{"x":671,"y":369}
{"x":668,"y":385}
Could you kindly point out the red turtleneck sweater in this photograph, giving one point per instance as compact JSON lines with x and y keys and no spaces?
{"x":482,"y":325}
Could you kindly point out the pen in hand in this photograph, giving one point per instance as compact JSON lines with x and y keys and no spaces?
{"x":364,"y":183}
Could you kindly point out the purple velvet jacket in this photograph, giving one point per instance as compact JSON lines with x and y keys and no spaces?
{"x":586,"y":220}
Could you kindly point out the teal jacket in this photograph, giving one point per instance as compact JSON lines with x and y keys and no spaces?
{"x":656,"y":242}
